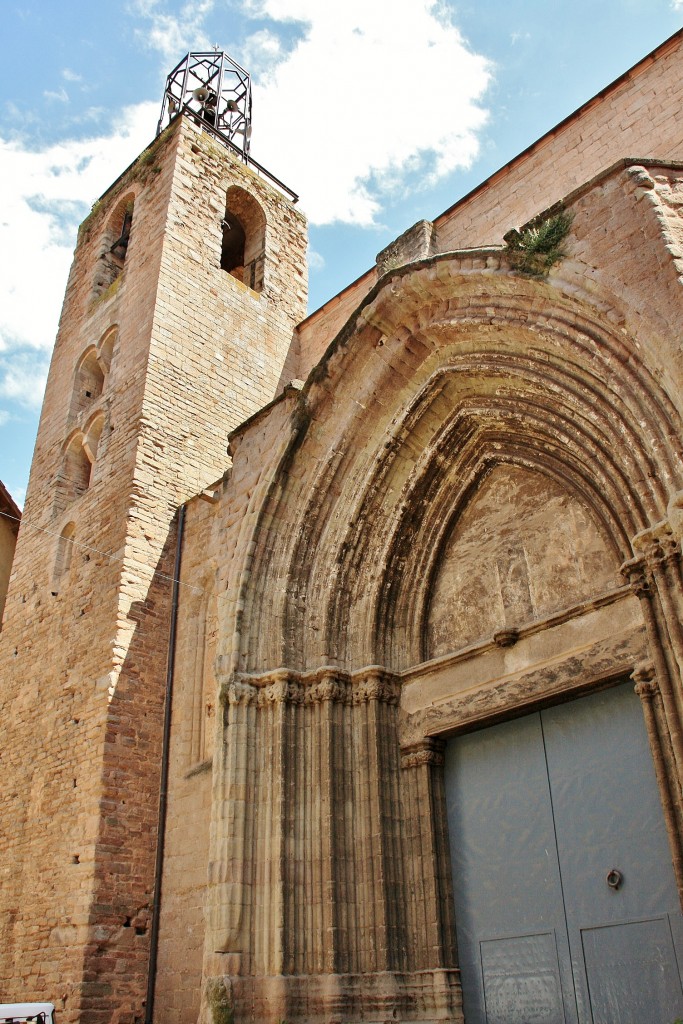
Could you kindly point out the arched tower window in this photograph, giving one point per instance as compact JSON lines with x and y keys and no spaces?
{"x":105,"y":348}
{"x":88,"y":382}
{"x":91,"y":441}
{"x":73,"y":478}
{"x":65,"y":547}
{"x":234,"y":241}
{"x":91,"y":374}
{"x":244,"y":238}
{"x":114,"y":247}
{"x":77,"y":467}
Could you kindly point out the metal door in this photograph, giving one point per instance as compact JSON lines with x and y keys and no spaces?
{"x":544,"y":813}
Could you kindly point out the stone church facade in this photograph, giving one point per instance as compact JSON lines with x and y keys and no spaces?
{"x":379,"y":658}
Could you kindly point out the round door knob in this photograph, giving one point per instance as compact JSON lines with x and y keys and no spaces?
{"x":614,"y":878}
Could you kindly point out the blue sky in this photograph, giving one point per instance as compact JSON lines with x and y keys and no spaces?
{"x":378,"y":112}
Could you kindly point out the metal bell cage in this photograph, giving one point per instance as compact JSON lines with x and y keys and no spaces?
{"x":214,"y":88}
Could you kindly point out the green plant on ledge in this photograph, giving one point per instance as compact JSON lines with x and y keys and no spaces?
{"x":534,"y":250}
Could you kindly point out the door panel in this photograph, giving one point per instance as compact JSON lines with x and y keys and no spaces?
{"x":540,"y":810}
{"x":505,"y":866}
{"x":608,"y":817}
{"x":632,"y":974}
{"x":521,"y":979}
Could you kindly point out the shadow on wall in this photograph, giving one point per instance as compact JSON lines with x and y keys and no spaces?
{"x":123,"y":893}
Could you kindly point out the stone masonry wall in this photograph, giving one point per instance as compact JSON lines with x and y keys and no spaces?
{"x":217,"y":534}
{"x":186,"y":352}
{"x":318,"y":330}
{"x":186,"y":852}
{"x":195,"y":353}
{"x":60,"y":648}
{"x":328,"y":893}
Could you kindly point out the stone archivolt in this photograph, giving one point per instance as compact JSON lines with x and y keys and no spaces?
{"x":483,"y":378}
{"x":456,"y":372}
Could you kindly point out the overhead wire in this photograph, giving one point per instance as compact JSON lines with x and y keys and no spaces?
{"x":89,"y":547}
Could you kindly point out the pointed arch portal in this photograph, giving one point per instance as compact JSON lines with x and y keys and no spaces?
{"x":467,"y":523}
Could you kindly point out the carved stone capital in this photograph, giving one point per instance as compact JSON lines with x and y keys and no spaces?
{"x":428,"y":751}
{"x":276,"y":693}
{"x":289,"y":686}
{"x":647,"y":691}
{"x":670,"y":549}
{"x":375,"y":684}
{"x":645,"y":679}
{"x":657,"y":544}
{"x":635,"y":573}
{"x":239,"y":693}
{"x":328,"y":689}
{"x":296,"y":693}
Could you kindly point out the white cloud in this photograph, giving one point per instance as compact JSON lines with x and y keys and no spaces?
{"x":677,"y":5}
{"x":22,"y":379}
{"x":71,"y":76}
{"x":61,"y":95}
{"x":261,"y":51}
{"x":351,"y":101}
{"x":170,"y":34}
{"x":46,"y":194}
{"x":316,"y":261}
{"x":365,"y":99}
{"x":18,"y":494}
{"x":4,"y":417}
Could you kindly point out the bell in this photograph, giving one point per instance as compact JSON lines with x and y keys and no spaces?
{"x":121,"y":244}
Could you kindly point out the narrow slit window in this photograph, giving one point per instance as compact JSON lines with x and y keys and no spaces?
{"x":65,"y":547}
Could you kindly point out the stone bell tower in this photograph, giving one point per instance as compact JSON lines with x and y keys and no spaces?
{"x":188,"y":278}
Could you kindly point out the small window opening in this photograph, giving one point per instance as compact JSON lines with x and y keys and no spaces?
{"x":120,"y":246}
{"x":232,"y":253}
{"x":106,"y":348}
{"x":115,"y":242}
{"x":244,"y":237}
{"x":65,"y":547}
{"x":88,"y":383}
{"x":73,"y":479}
{"x":77,"y":468}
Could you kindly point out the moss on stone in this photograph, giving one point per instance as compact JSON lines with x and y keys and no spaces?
{"x":108,"y":292}
{"x":218,"y":998}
